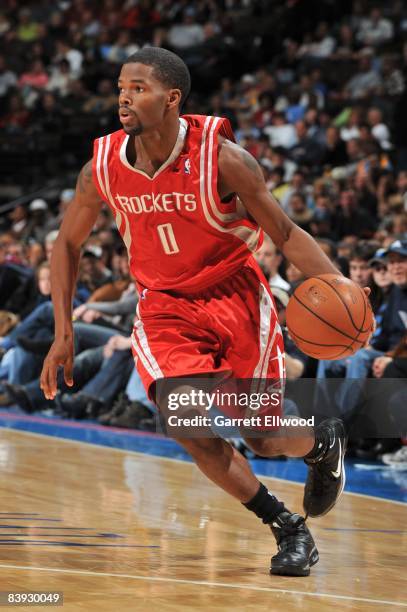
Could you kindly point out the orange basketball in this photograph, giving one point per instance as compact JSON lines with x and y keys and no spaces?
{"x":329,"y":317}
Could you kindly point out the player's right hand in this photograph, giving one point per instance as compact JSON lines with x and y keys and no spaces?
{"x":60,"y":354}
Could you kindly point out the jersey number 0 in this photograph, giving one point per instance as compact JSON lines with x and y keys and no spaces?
{"x":167,"y":237}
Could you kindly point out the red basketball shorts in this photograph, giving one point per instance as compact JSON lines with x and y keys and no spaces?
{"x":231,"y":328}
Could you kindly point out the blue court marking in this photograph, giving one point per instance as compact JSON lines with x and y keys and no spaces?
{"x":385,"y":482}
{"x":66,"y":535}
{"x":80,"y":544}
{"x":45,"y":527}
{"x":23,"y":518}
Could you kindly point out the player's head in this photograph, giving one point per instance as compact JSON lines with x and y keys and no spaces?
{"x":152,"y":83}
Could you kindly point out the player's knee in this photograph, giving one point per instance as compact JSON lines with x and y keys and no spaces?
{"x":266,"y":447}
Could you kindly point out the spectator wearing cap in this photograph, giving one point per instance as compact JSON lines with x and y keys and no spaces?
{"x":380,"y":285}
{"x":93,"y":274}
{"x":39,"y":215}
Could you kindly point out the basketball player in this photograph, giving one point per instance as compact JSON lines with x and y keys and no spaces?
{"x":190,"y":205}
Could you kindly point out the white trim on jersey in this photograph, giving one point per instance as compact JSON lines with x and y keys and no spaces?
{"x":246,"y":234}
{"x":179,"y":144}
{"x":224,"y":217}
{"x":267,"y":336}
{"x":140,"y":343}
{"x":98,"y":163}
{"x":104,"y":184}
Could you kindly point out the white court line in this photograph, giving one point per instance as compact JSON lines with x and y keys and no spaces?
{"x":132,"y":452}
{"x":246,"y":587}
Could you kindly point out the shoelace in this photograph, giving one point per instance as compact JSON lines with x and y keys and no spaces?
{"x":287,"y":540}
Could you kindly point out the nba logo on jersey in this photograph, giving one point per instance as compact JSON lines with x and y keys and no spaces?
{"x":187,"y":166}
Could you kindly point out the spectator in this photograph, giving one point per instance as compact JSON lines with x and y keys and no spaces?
{"x":393,"y":81}
{"x":307,"y":151}
{"x":64,"y":50}
{"x":60,"y":79}
{"x":270,"y":260}
{"x":379,"y":130}
{"x":299,"y":213}
{"x":280,"y":132}
{"x":39,"y":214}
{"x":349,"y":219}
{"x":335,"y":150}
{"x":375,"y":30}
{"x":122,"y":48}
{"x":365,"y":82}
{"x":186,"y":34}
{"x":8,"y":78}
{"x":65,"y":198}
{"x":104,"y":101}
{"x":393,"y":327}
{"x":36,"y":77}
{"x":27,"y":28}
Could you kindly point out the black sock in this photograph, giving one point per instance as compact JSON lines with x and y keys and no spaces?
{"x":320,"y":446}
{"x":265,"y":505}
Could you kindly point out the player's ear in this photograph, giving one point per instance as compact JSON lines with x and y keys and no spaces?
{"x":174,"y":98}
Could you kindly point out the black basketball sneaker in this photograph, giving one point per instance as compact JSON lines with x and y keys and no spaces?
{"x":296,"y":548}
{"x":326,"y":473}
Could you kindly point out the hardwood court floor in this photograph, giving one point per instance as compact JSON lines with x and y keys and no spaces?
{"x":122,"y":531}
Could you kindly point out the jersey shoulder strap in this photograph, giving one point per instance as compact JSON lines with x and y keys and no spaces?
{"x":223,"y":127}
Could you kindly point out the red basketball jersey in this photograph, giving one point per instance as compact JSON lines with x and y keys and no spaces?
{"x":178,"y":233}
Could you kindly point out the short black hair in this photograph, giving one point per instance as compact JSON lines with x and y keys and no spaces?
{"x":168,"y":68}
{"x":364,"y":251}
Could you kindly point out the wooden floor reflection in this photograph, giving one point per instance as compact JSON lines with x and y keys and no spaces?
{"x":124,"y":531}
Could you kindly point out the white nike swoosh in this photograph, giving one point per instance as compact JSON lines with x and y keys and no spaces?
{"x":338,"y":470}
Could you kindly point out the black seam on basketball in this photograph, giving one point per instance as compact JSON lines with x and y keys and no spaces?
{"x":331,"y":357}
{"x":359,"y":330}
{"x":347,"y":348}
{"x":319,"y":343}
{"x":323,"y":320}
{"x":366,"y":309}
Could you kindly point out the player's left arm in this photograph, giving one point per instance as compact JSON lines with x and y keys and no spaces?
{"x":240,"y":173}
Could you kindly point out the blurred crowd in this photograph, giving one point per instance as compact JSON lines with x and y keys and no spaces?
{"x":319,"y":102}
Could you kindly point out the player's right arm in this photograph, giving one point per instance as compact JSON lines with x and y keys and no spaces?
{"x":78,"y":221}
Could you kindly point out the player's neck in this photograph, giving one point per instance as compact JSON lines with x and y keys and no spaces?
{"x":152,"y":149}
